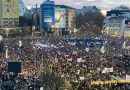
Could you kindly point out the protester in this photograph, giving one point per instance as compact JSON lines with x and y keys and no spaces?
{"x":81,"y":63}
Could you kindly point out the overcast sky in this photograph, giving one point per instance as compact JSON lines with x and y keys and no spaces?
{"x":102,"y":4}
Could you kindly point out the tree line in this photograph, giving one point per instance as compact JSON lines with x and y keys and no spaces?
{"x":89,"y":21}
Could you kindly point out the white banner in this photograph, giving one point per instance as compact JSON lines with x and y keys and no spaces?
{"x":102,"y":49}
{"x":79,"y":60}
{"x":6,"y":53}
{"x":127,"y":77}
{"x":107,"y":70}
{"x":41,"y":88}
{"x":87,"y":49}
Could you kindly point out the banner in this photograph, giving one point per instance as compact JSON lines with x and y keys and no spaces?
{"x":87,"y":49}
{"x":109,"y":82}
{"x":41,"y":88}
{"x":82,"y":78}
{"x":127,"y":77}
{"x":107,"y":70}
{"x":102,"y":49}
{"x":69,"y":59}
{"x":79,"y":60}
{"x":6,"y":53}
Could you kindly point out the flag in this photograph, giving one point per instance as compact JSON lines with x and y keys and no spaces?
{"x":107,"y":70}
{"x":59,"y":53}
{"x":78,"y":72}
{"x":56,"y":60}
{"x":87,"y":49}
{"x":74,"y":52}
{"x":127,"y":77}
{"x":70,"y":59}
{"x":98,"y":69}
{"x":6,"y":53}
{"x":116,"y":78}
{"x":72,"y":43}
{"x":106,"y":42}
{"x":66,"y":55}
{"x":79,"y":60}
{"x":1,"y":38}
{"x":81,"y":78}
{"x":20,"y":43}
{"x":124,"y":45}
{"x":102,"y":49}
{"x":41,"y":88}
{"x":128,"y":25}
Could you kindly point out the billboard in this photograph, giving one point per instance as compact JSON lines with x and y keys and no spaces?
{"x":60,"y":18}
{"x":48,"y":19}
{"x":47,"y":12}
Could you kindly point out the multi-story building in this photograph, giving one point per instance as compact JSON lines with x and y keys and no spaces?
{"x":71,"y":14}
{"x":47,"y":15}
{"x":117,"y":22}
{"x":36,"y":17}
{"x":30,"y":21}
{"x":9,"y":13}
{"x":119,"y":11}
{"x":22,"y":8}
{"x":33,"y":15}
{"x":64,"y":19}
{"x":58,"y":19}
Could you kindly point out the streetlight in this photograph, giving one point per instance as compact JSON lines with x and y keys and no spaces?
{"x":1,"y":38}
{"x":34,"y":48}
{"x":35,"y":75}
{"x":6,"y":52}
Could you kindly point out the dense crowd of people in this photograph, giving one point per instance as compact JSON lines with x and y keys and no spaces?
{"x":78,"y":63}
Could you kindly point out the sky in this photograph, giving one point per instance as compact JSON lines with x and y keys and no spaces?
{"x":101,"y":4}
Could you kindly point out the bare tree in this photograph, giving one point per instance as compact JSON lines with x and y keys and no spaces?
{"x":89,"y":22}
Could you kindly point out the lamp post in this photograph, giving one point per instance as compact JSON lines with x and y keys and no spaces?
{"x":35,"y":64}
{"x":1,"y":38}
{"x":34,"y":48}
{"x":6,"y":52}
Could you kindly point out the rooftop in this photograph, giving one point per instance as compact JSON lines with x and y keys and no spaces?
{"x":118,"y":11}
{"x":64,"y":6}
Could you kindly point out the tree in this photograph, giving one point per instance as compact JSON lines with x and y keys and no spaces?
{"x":8,"y":85}
{"x":79,"y":18}
{"x":93,"y":18}
{"x":50,"y":80}
{"x":89,"y":21}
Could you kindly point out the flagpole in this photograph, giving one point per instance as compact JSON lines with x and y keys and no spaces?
{"x":6,"y":52}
